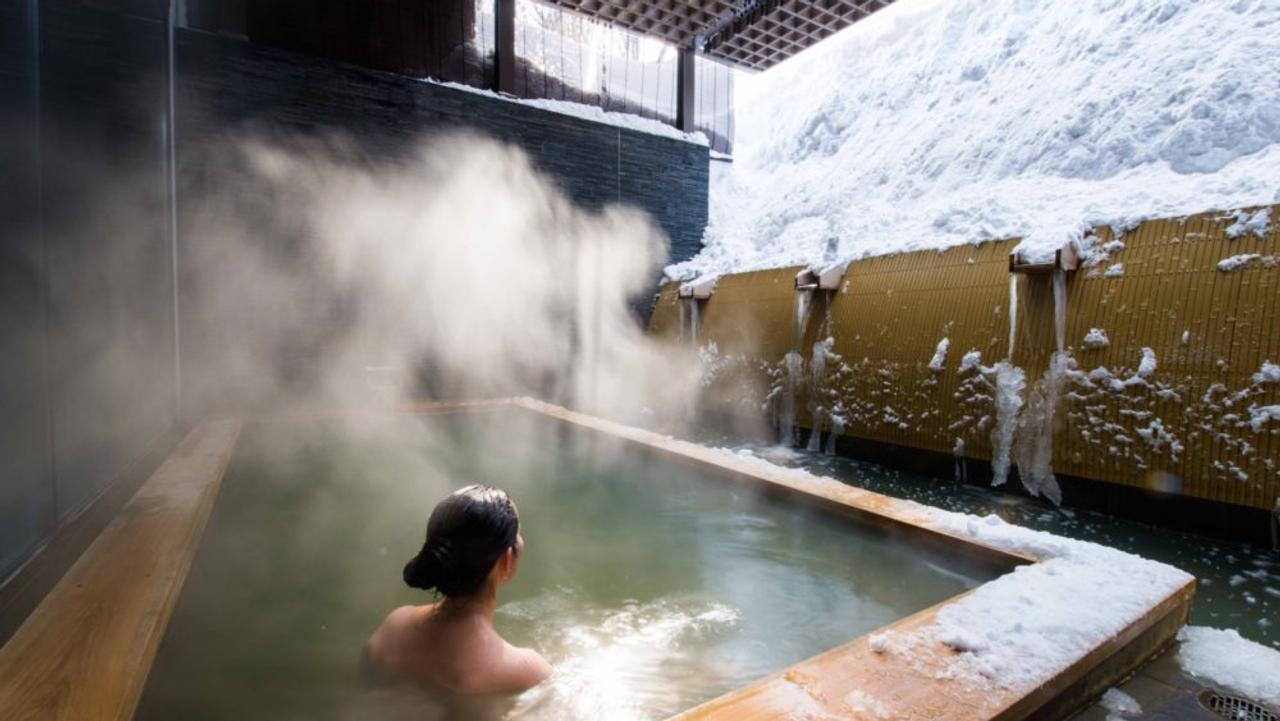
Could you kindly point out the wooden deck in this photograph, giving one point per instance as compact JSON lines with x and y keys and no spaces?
{"x":84,"y":654}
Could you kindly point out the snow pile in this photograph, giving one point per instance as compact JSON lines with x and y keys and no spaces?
{"x":1096,"y":338}
{"x":1147,"y":365}
{"x":1260,"y":415}
{"x":1268,"y":372}
{"x":1028,"y":625}
{"x":587,"y":112}
{"x":1224,"y":658}
{"x":935,"y":123}
{"x":1119,"y":704}
{"x":1255,"y":223}
{"x":1235,"y":262}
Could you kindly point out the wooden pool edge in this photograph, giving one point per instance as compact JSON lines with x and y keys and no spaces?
{"x":85,"y":651}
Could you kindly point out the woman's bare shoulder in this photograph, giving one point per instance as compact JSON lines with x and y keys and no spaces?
{"x":522,"y":669}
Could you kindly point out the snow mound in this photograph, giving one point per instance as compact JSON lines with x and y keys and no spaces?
{"x":1225,"y":658}
{"x":935,"y":123}
{"x":1096,"y":338}
{"x":1028,"y":625}
{"x":1236,"y":262}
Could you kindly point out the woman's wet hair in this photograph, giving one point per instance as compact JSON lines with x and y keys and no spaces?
{"x":467,"y":533}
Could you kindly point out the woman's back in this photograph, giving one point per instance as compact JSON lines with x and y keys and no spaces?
{"x":437,"y":647}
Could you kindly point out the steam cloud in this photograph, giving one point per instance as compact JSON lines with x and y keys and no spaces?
{"x":462,"y":273}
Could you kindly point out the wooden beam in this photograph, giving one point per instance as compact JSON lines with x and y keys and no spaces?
{"x":686,"y":89}
{"x":504,"y":13}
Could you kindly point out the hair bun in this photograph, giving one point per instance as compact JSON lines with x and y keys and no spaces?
{"x":418,"y":574}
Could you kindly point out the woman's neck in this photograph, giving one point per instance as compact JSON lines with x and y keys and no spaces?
{"x":482,"y":605}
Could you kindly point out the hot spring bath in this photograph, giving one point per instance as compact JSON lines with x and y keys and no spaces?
{"x":658,"y":574}
{"x":651,"y":585}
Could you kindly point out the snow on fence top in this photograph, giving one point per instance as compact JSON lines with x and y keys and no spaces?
{"x":935,"y":123}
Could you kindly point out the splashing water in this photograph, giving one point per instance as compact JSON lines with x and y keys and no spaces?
{"x":601,"y":665}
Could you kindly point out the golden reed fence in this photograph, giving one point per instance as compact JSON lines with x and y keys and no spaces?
{"x":1195,"y":425}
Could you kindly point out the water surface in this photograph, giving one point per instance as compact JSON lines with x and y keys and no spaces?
{"x":648,"y":585}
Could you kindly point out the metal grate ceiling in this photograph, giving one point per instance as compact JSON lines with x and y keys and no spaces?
{"x":751,"y":34}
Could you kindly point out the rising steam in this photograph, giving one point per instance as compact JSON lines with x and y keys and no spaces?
{"x":462,"y":272}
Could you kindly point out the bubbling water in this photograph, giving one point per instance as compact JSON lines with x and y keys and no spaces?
{"x":608,"y":666}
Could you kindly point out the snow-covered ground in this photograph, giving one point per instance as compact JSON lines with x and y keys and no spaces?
{"x":941,"y":122}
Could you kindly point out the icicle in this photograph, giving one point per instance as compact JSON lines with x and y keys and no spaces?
{"x":1035,"y":431}
{"x":693,"y":321}
{"x":1060,"y":307}
{"x":1010,"y":381}
{"x":794,"y":368}
{"x":837,"y":430}
{"x":1013,"y":314}
{"x":818,"y":372}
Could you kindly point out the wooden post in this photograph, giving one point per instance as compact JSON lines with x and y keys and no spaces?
{"x":686,"y":89}
{"x":504,"y":13}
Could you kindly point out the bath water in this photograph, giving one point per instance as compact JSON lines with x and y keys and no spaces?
{"x":649,"y":585}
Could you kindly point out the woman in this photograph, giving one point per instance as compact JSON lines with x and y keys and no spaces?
{"x":473,"y":547}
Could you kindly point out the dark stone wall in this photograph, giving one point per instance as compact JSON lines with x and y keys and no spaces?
{"x":26,"y":486}
{"x":87,"y":380}
{"x":87,"y":386}
{"x":225,"y":83}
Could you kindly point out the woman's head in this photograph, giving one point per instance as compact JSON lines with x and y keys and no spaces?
{"x":469,"y":533}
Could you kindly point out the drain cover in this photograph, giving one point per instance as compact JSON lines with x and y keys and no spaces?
{"x":1235,"y":708}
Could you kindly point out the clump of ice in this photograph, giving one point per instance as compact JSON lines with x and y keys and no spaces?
{"x":1235,"y":262}
{"x":1010,"y":382}
{"x":864,"y":704}
{"x":1115,"y":271}
{"x":1260,"y":415}
{"x":1147,"y":365}
{"x":1120,"y":704}
{"x":938,"y":123}
{"x":1268,"y":373}
{"x":1255,"y":223}
{"x":1036,"y":429}
{"x":970,"y":361}
{"x":1096,"y":338}
{"x":1224,"y":658}
{"x":939,"y":359}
